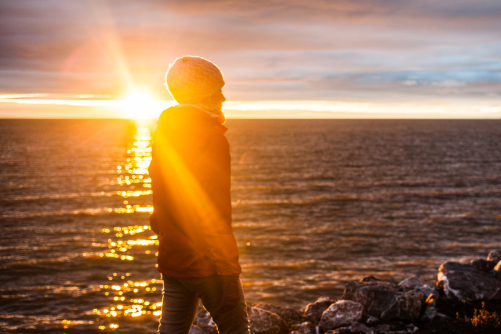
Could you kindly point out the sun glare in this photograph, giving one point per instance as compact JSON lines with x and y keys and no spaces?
{"x":141,"y":105}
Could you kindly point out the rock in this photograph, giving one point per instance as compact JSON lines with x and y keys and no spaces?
{"x":494,"y":256}
{"x":265,"y":322}
{"x":370,"y":279}
{"x":313,"y":311}
{"x":204,"y":321}
{"x":466,"y":283}
{"x":341,"y":313}
{"x":371,"y":320}
{"x":385,"y":300}
{"x":304,"y":328}
{"x":383,"y":328}
{"x":196,"y":330}
{"x":428,"y":290}
{"x":496,"y":272}
{"x":411,"y":328}
{"x":430,"y":311}
{"x":390,"y":329}
{"x":411,"y":282}
{"x":290,"y":315}
{"x":416,"y":283}
{"x":483,"y":265}
{"x":356,"y":328}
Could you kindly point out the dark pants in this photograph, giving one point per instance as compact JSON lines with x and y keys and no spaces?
{"x":181,"y":298}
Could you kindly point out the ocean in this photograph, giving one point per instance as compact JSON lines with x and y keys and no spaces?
{"x":316,"y":204}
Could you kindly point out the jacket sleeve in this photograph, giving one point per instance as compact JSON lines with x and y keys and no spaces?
{"x":214,"y":207}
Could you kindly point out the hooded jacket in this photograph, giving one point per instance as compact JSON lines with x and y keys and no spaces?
{"x":190,"y":178}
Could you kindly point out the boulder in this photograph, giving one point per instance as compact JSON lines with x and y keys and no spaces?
{"x":356,"y":328}
{"x":313,"y":311}
{"x":196,"y":330}
{"x":483,"y":265}
{"x":494,"y":256}
{"x":496,"y":272}
{"x":390,"y":329}
{"x":466,"y":283}
{"x":204,"y":321}
{"x":416,"y":283}
{"x":411,"y":282}
{"x":383,"y":328}
{"x":303,"y":328}
{"x":265,"y":322}
{"x":430,"y":311}
{"x":341,"y":313}
{"x":384,"y":300}
{"x":290,"y":315}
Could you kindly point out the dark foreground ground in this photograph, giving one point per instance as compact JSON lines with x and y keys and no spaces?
{"x":463,"y":318}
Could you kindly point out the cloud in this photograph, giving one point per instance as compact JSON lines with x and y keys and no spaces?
{"x":368,"y":50}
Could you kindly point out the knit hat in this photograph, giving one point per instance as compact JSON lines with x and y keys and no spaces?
{"x":192,"y":78}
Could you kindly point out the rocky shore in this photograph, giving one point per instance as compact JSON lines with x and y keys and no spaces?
{"x":466,"y":298}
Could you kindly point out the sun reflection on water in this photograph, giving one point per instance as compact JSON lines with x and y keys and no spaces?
{"x":135,"y":172}
{"x":130,"y":298}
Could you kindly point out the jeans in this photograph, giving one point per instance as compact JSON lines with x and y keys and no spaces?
{"x":181,"y":298}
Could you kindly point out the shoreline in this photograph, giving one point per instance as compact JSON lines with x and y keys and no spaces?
{"x":466,"y":298}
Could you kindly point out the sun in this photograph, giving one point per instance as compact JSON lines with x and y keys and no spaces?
{"x":141,"y":105}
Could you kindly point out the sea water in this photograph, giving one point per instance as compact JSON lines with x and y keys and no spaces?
{"x":316,"y":204}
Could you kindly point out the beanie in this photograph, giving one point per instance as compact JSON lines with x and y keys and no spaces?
{"x":192,"y":78}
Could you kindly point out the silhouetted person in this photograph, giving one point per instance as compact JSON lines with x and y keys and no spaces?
{"x":190,"y":177}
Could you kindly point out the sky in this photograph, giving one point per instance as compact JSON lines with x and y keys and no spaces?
{"x":280,"y":58}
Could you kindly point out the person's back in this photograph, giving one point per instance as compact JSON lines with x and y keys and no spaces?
{"x":191,"y":192}
{"x":190,"y":172}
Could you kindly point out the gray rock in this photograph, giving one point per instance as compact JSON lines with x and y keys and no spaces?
{"x":494,"y":256}
{"x":265,"y":322}
{"x":382,"y":329}
{"x":496,"y":272}
{"x":356,"y":328}
{"x":428,"y":290}
{"x":304,"y":328}
{"x":386,"y":301}
{"x":341,"y":313}
{"x":196,"y":330}
{"x":389,"y":329}
{"x":204,"y":321}
{"x":430,"y":311}
{"x":411,"y":328}
{"x":372,"y":320}
{"x":466,"y":283}
{"x":411,"y":282}
{"x":313,"y":311}
{"x":290,"y":315}
{"x":416,"y":283}
{"x":483,"y":265}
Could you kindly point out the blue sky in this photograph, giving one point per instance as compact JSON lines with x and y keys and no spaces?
{"x":429,"y":55}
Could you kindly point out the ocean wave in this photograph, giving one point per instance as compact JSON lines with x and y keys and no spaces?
{"x":289,"y":265}
{"x":90,"y":212}
{"x":60,"y":196}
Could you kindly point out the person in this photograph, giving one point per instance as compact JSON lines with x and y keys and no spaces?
{"x":190,"y":179}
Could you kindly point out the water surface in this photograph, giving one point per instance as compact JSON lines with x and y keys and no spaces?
{"x":316,"y":203}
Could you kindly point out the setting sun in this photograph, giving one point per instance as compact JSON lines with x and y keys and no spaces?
{"x":141,"y":105}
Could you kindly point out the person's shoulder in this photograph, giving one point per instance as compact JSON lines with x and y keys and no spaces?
{"x":167,"y":113}
{"x":218,"y":139}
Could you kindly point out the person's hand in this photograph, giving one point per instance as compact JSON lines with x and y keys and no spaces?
{"x":231,"y":293}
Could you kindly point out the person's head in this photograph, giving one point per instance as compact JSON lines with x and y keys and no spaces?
{"x":195,"y":80}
